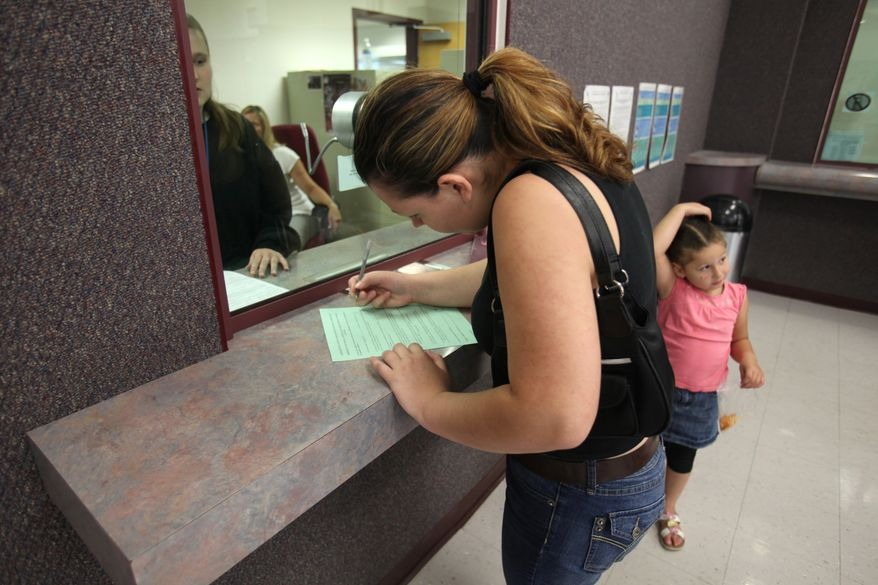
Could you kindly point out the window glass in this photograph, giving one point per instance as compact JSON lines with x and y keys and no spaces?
{"x":853,"y":130}
{"x":293,"y":59}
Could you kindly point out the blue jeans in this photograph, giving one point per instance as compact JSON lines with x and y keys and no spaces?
{"x":562,"y":534}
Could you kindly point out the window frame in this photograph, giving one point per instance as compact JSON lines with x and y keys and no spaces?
{"x":481,"y":38}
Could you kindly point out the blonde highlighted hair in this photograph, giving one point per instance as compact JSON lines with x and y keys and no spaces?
{"x":418,"y":124}
{"x":267,"y":134}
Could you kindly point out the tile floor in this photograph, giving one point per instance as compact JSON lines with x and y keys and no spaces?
{"x":787,"y":496}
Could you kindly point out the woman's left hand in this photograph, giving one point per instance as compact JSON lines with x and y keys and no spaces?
{"x":415,"y":376}
{"x":262,"y":259}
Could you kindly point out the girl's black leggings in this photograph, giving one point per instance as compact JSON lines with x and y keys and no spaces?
{"x":680,"y":458}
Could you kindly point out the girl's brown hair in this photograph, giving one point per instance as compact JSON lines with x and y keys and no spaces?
{"x":230,"y":124}
{"x":419,"y":124}
{"x":695,"y":233}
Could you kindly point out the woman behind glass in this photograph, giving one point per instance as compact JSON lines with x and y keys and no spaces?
{"x":436,"y":149}
{"x":250,"y":198}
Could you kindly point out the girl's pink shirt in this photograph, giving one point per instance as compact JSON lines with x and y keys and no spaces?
{"x":698,"y":333}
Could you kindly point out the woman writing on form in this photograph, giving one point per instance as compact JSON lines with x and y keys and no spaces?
{"x":437,"y":149}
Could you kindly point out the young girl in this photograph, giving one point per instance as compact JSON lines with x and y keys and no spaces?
{"x":704,"y":320}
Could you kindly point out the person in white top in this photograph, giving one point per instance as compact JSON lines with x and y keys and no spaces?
{"x":304,"y":192}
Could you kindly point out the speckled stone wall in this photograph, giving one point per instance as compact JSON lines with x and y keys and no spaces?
{"x":625,"y":42}
{"x":105,"y":281}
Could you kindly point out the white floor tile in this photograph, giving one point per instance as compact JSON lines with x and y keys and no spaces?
{"x":755,"y":562}
{"x":487,"y":522}
{"x":639,"y":568}
{"x":464,"y":560}
{"x":787,"y":496}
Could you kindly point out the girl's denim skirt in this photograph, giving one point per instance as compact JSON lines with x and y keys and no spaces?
{"x":694,"y":419}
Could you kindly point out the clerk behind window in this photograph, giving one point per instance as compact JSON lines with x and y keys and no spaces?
{"x":250,"y":198}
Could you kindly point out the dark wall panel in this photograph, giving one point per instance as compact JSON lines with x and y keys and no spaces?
{"x":626,"y":42}
{"x":820,"y":53}
{"x":760,"y":43}
{"x":776,"y":76}
{"x":105,"y":281}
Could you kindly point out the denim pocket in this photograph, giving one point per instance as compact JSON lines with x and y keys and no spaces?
{"x":613,"y":535}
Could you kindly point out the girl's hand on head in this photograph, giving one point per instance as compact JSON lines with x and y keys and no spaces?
{"x":691,"y":208}
{"x":752,"y":376}
{"x":414,"y":376}
{"x":264,"y":260}
{"x":382,"y":289}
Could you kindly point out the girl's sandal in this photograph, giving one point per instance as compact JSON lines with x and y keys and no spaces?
{"x":669,"y":525}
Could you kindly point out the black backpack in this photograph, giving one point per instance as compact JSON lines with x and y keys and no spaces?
{"x":636,"y":377}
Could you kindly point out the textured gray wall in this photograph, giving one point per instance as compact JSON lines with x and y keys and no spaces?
{"x":625,"y":42}
{"x":105,"y":281}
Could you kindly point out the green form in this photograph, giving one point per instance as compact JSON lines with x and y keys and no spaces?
{"x":359,"y":332}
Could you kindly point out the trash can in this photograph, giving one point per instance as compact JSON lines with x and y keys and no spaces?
{"x":733,"y":217}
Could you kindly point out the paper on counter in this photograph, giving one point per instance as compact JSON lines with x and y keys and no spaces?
{"x":243,"y":291}
{"x":360,"y":332}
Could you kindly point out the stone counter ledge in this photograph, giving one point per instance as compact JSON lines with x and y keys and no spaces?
{"x":176,"y":481}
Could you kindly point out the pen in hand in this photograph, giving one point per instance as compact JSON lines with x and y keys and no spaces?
{"x":366,"y":250}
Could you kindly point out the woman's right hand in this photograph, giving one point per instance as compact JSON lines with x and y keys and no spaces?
{"x":381,"y":289}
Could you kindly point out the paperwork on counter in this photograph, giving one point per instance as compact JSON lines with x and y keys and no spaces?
{"x":360,"y":332}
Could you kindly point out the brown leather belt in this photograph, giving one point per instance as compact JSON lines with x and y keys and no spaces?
{"x":575,"y":472}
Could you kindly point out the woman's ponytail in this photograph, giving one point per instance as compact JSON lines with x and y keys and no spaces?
{"x":539,"y":117}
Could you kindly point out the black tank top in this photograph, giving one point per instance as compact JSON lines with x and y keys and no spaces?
{"x":636,"y":255}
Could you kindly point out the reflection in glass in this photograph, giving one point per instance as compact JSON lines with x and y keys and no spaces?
{"x":294,"y":58}
{"x":853,"y":131}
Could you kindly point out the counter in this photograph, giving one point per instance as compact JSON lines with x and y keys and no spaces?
{"x":814,"y":235}
{"x":176,"y":481}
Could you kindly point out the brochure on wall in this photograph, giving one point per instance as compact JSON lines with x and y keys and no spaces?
{"x":659,"y":124}
{"x":598,"y":96}
{"x":673,"y":125}
{"x":621,"y":104}
{"x":642,"y":125}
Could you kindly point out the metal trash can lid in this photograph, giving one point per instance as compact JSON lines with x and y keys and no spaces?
{"x":729,"y":213}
